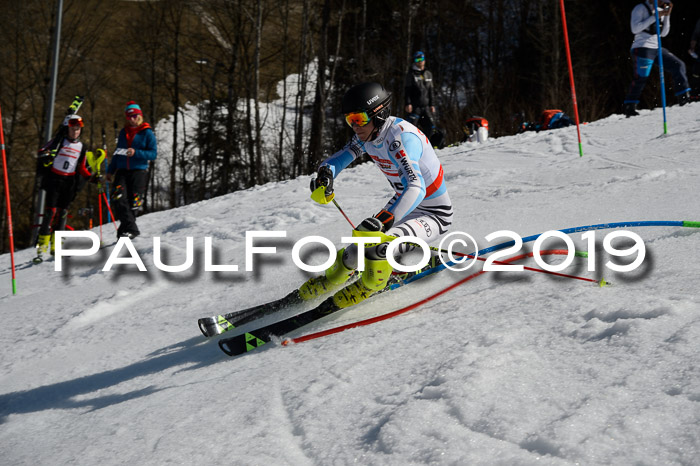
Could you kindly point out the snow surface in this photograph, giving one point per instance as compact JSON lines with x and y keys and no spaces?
{"x":511,"y":368}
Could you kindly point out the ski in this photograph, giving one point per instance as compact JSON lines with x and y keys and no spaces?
{"x":60,"y":131}
{"x":216,"y":325}
{"x":249,"y":341}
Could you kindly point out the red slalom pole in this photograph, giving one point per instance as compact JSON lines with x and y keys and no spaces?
{"x":109,"y":209}
{"x":99,"y":201}
{"x":571,"y":77}
{"x":373,"y":320}
{"x":9,"y":207}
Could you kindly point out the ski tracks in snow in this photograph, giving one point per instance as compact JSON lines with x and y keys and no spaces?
{"x":104,"y":307}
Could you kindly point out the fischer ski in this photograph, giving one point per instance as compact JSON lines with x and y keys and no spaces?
{"x":249,"y":341}
{"x":216,"y":325}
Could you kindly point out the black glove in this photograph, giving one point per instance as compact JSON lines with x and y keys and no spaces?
{"x":380,"y":222}
{"x":324,"y":177}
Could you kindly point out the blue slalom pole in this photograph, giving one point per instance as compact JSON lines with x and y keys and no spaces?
{"x":661,"y":63}
{"x":567,"y":231}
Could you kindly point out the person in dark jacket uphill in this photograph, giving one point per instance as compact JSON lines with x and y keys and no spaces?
{"x":420,"y":99}
{"x":128,"y":169}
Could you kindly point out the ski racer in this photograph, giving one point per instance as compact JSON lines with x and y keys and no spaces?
{"x":64,"y":161}
{"x":420,"y":208}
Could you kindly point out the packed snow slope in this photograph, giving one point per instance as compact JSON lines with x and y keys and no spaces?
{"x":510,"y":368}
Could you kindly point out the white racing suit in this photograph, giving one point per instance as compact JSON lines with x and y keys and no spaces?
{"x":421,"y":205}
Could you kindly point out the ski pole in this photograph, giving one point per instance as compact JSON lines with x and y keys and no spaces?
{"x":343,"y":213}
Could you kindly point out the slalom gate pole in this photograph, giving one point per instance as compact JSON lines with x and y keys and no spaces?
{"x":602,"y":282}
{"x":403,"y":310}
{"x":460,"y":254}
{"x":571,"y":77}
{"x":661,"y":64}
{"x":9,"y":206}
{"x":601,"y":226}
{"x":99,"y":201}
{"x":566,"y":231}
{"x":109,"y":209}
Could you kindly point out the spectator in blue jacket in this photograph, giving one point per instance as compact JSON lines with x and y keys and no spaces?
{"x":128,"y":169}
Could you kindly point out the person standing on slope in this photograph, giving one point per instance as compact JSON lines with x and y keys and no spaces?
{"x":128,"y":169}
{"x":645,"y":50}
{"x":420,"y":207}
{"x":65,"y":173}
{"x":420,"y":96}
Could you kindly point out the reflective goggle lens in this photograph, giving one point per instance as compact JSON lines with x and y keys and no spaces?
{"x":359,"y":119}
{"x":419,"y":59}
{"x":73,"y":122}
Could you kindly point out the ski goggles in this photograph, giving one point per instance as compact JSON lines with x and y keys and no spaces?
{"x":357,"y":118}
{"x":75,"y":122}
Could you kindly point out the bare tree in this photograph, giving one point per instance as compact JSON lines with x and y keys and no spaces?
{"x":304,"y":55}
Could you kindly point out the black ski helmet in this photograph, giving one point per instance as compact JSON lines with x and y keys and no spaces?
{"x":368,"y":97}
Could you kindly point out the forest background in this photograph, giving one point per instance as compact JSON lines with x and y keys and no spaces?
{"x":489,"y":58}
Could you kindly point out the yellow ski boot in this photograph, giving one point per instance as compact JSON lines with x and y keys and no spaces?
{"x":335,"y":276}
{"x":42,"y":247}
{"x":53,"y":243}
{"x":373,"y":279}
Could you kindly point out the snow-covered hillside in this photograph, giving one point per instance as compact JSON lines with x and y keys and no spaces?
{"x":510,"y":368}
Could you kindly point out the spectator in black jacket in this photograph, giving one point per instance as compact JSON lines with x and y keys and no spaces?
{"x":420,"y":106}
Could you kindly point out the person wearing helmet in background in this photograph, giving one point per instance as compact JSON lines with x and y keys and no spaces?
{"x":420,"y":207}
{"x":419,"y":96}
{"x":64,"y":162}
{"x":128,"y":169}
